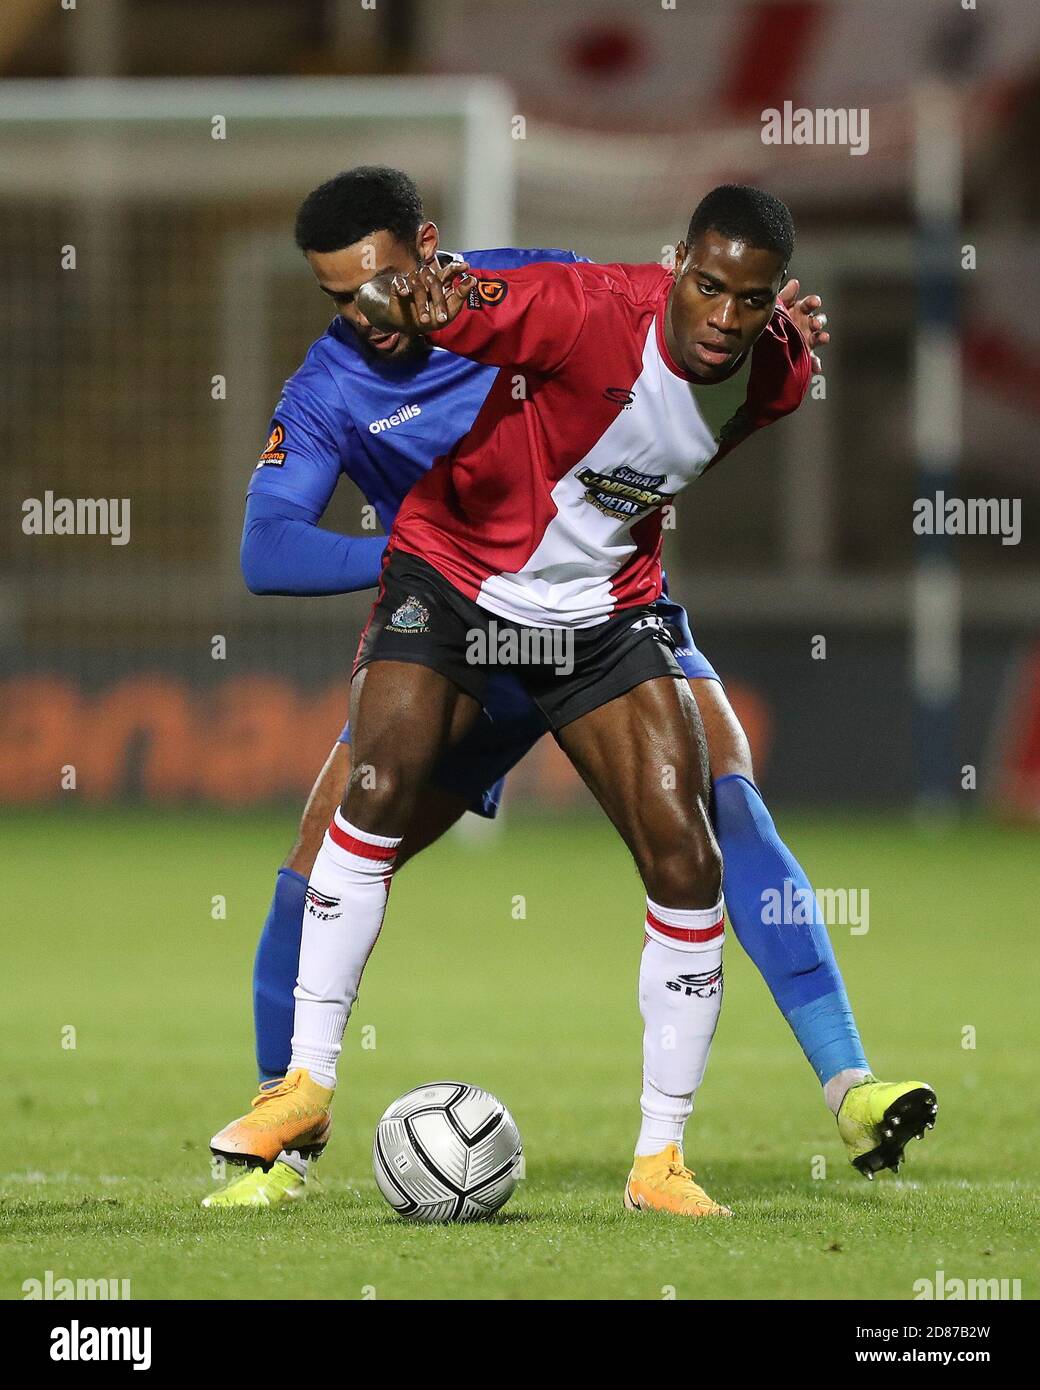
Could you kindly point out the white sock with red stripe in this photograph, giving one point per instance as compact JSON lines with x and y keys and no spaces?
{"x":343,"y":913}
{"x":680,"y":996}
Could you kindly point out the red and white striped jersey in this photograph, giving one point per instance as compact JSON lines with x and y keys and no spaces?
{"x":548,"y":512}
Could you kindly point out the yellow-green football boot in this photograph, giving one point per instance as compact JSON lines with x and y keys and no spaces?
{"x":257,"y":1187}
{"x":877,"y":1119}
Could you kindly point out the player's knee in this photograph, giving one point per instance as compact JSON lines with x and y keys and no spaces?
{"x":381,"y":794}
{"x":684,"y":871}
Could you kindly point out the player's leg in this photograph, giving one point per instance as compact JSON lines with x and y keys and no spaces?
{"x":278,"y":958}
{"x":275,"y":968}
{"x":404,"y":715}
{"x":413,"y":693}
{"x":474,"y":773}
{"x":401,"y":721}
{"x":468,"y":777}
{"x":643,"y":755}
{"x":794,"y":956}
{"x":278,"y":950}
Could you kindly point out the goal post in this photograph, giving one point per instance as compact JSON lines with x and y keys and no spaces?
{"x":481,"y":108}
{"x":935,"y":616}
{"x":174,"y":201}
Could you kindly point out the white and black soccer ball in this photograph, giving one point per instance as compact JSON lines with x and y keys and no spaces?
{"x":447,"y":1152}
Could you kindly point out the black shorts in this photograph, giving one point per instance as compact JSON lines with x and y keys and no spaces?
{"x":422,"y":618}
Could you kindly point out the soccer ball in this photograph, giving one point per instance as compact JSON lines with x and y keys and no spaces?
{"x":447,"y":1152}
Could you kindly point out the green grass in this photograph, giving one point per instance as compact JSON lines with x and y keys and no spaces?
{"x":106,"y":1158}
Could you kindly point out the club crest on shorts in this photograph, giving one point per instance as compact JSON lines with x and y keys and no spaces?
{"x":412,"y":616}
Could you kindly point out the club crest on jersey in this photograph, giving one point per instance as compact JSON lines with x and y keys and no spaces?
{"x":273,"y":455}
{"x":624,"y":492}
{"x":412,"y":616}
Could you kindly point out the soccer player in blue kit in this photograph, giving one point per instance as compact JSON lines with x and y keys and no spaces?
{"x":380,"y":407}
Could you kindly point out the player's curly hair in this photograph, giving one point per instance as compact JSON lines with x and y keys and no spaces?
{"x":371,"y":198}
{"x":745,"y":214}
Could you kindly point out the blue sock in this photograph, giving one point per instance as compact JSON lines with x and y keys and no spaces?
{"x":274,"y":975}
{"x":794,"y":958}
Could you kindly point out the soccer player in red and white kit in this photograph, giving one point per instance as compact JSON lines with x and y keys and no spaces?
{"x":621,"y":384}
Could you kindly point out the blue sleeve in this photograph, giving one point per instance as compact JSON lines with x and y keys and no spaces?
{"x":513,"y":257}
{"x":309,"y":431}
{"x":284,"y":551}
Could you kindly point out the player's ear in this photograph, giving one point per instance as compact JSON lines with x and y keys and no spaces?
{"x":427,"y":240}
{"x":680,"y":260}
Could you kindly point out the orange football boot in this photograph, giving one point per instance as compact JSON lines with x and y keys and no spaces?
{"x":293,"y":1113}
{"x":662,"y":1182}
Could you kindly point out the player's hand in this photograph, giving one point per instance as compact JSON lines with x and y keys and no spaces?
{"x":811,"y":321}
{"x":416,"y":301}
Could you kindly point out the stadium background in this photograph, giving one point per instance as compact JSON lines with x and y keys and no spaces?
{"x":185,"y":272}
{"x":137,"y":882}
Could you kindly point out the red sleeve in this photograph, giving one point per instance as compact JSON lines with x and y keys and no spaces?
{"x":528,"y":317}
{"x":785,"y":367}
{"x":781,"y":369}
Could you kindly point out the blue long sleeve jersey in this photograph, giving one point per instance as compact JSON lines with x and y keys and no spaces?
{"x":382,"y":423}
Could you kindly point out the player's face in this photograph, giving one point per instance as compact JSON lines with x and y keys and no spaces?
{"x":721,"y":301}
{"x":340,"y":274}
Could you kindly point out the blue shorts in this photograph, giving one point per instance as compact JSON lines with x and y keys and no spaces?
{"x":510,"y":724}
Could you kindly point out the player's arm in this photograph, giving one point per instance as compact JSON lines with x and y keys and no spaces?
{"x":781,"y":370}
{"x":285,"y":551}
{"x":526,"y":317}
{"x":782,"y":366}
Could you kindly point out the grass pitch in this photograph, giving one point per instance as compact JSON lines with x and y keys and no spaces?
{"x":111,"y":934}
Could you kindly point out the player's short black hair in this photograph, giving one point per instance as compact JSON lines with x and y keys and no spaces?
{"x":371,"y":198}
{"x":745,"y":214}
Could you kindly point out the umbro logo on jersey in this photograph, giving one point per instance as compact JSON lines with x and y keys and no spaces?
{"x":620,"y":396}
{"x":407,"y":412}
